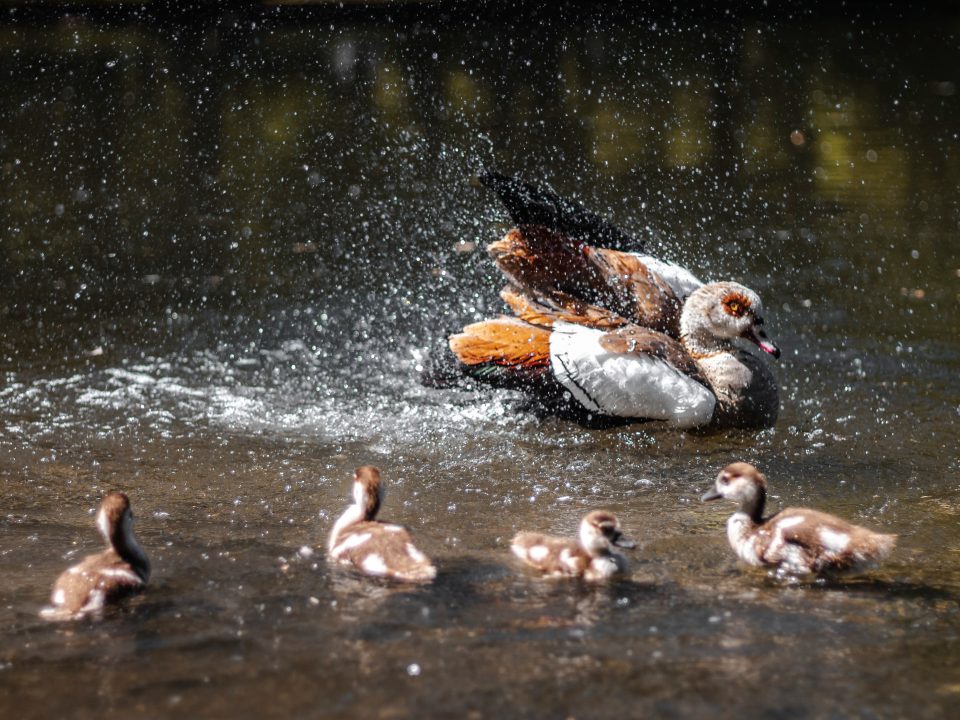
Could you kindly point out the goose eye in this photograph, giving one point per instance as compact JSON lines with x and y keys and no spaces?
{"x":736,"y":304}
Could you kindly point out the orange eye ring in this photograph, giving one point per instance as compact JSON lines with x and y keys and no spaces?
{"x":736,"y":305}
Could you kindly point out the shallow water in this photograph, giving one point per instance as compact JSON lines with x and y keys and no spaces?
{"x":223,"y":311}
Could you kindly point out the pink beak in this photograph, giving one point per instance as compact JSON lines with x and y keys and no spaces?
{"x":759,"y":338}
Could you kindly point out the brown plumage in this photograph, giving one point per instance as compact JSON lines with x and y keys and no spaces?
{"x":642,"y":341}
{"x":547,"y":264}
{"x":121,"y":569}
{"x":558,"y":307}
{"x":794,"y":541}
{"x":592,"y":556}
{"x":605,"y":335}
{"x":373,"y":547}
{"x":653,"y":303}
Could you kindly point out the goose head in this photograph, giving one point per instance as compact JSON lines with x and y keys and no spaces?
{"x":717,"y":313}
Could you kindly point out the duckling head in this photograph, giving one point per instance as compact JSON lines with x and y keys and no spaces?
{"x":367,"y":490}
{"x":600,"y":531}
{"x":742,"y":483}
{"x":114,"y":517}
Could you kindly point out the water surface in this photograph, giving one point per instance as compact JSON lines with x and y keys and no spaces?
{"x":223,"y":272}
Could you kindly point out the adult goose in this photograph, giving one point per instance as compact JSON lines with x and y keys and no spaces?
{"x":610,"y":334}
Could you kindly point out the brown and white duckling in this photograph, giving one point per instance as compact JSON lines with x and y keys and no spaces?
{"x":593,"y":556}
{"x":794,"y":541}
{"x":121,"y":569}
{"x":373,"y":547}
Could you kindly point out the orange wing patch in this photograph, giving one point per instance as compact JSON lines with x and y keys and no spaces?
{"x":503,"y":341}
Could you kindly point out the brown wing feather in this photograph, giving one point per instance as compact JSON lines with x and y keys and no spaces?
{"x":655,"y":305}
{"x":545,"y":262}
{"x":503,"y":341}
{"x":392,"y":550}
{"x":551,"y":560}
{"x":104,"y":572}
{"x":863,"y":546}
{"x":643,"y":341}
{"x":559,"y":307}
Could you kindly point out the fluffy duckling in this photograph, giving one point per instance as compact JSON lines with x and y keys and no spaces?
{"x":373,"y":547}
{"x":121,"y":569}
{"x":795,"y":541}
{"x":593,"y":556}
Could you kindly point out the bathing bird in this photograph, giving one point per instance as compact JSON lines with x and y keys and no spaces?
{"x":602,"y":333}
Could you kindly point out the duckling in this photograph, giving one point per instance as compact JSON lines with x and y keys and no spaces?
{"x":373,"y":547}
{"x":121,"y":569}
{"x":794,"y":541}
{"x":591,"y":557}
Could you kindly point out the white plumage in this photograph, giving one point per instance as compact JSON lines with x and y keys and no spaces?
{"x":626,"y":385}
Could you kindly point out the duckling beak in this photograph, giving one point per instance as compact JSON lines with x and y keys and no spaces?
{"x":758,"y":337}
{"x":625,"y":543}
{"x":711,"y":494}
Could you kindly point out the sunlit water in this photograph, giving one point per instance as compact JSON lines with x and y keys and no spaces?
{"x":253,"y":340}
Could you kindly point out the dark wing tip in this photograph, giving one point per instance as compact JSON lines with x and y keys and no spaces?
{"x":531,"y":204}
{"x":489,"y":177}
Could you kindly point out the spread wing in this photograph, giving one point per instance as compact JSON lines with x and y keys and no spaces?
{"x":529,"y":204}
{"x":548,"y":265}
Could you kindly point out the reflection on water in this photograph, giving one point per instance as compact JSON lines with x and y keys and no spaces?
{"x":224,"y":270}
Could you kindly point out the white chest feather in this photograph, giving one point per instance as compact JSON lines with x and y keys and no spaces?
{"x":742,"y":538}
{"x":625,"y":384}
{"x":604,"y":566}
